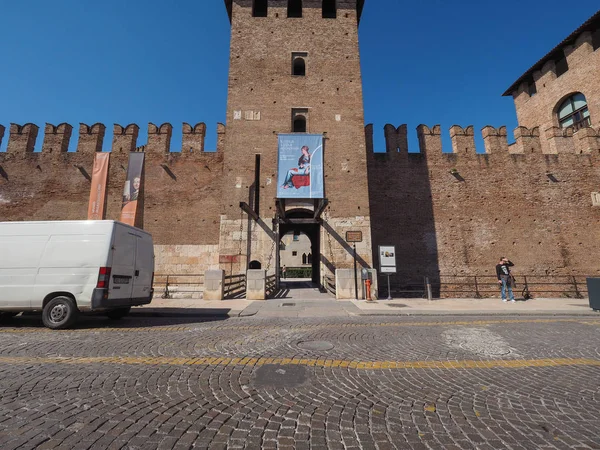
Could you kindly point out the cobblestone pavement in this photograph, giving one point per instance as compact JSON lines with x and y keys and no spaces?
{"x":335,"y":383}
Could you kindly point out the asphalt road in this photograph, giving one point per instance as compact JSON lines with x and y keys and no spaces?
{"x":335,"y":383}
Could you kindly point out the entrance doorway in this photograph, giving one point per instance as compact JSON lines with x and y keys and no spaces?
{"x":305,"y":239}
{"x":295,"y":255}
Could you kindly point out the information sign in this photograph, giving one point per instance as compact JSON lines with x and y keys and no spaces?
{"x":353,"y":236}
{"x":387,"y":258}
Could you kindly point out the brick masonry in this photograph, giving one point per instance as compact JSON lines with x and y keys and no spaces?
{"x":448,"y":213}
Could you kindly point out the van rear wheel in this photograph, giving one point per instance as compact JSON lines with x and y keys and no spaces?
{"x":118,"y":313}
{"x":59,"y":313}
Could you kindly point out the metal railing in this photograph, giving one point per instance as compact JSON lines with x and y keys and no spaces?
{"x":235,"y":286}
{"x":171,"y":284}
{"x":329,"y":284}
{"x":481,"y":286}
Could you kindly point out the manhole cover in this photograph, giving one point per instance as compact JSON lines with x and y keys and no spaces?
{"x":273,"y":375}
{"x":315,"y":345}
{"x":397,"y":305}
{"x":288,"y":304}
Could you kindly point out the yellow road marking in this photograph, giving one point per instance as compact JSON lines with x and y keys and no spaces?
{"x":324,"y":363}
{"x":176,"y":328}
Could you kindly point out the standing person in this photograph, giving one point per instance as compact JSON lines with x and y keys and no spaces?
{"x":283,"y":271}
{"x":505,"y":278}
{"x":303,"y":168}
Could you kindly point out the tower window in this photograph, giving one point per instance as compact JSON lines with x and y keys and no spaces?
{"x":329,"y":9}
{"x":299,"y":64}
{"x":531,"y":88}
{"x":596,"y":39}
{"x":299,"y":124}
{"x":561,"y":66}
{"x":294,"y":8}
{"x":299,"y":120}
{"x":260,"y":8}
{"x":573,"y":112}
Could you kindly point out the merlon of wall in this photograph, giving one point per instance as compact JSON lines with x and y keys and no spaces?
{"x":495,"y":139}
{"x":91,"y":138}
{"x":396,"y":139}
{"x":124,"y":138}
{"x":463,"y":139}
{"x":22,"y":138}
{"x":193,"y":137}
{"x":159,"y":138}
{"x":554,"y":141}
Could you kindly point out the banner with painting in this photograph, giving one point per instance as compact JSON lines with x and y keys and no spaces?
{"x":300,"y":166}
{"x":97,"y":203}
{"x":132,"y":190}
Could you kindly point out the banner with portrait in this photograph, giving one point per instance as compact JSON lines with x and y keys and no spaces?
{"x":97,"y":204}
{"x":300,"y":166}
{"x":132,"y":190}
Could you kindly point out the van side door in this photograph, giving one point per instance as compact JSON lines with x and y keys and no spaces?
{"x":144,"y":268}
{"x":123,"y":266}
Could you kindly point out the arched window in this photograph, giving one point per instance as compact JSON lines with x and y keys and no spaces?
{"x":294,"y":8}
{"x":573,"y":112}
{"x":329,"y":9}
{"x":303,"y":258}
{"x":299,"y":67}
{"x":259,"y":8}
{"x":299,"y":124}
{"x":310,"y":258}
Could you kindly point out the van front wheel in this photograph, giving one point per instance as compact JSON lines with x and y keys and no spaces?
{"x":59,"y":313}
{"x":118,"y":313}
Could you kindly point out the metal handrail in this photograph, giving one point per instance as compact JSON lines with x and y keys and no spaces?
{"x":168,"y":282}
{"x":481,"y":285}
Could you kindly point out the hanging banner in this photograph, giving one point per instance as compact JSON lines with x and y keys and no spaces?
{"x":97,"y":205}
{"x":131,"y":192}
{"x":300,"y":166}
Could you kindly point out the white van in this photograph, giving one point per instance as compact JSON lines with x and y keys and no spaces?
{"x":65,"y":267}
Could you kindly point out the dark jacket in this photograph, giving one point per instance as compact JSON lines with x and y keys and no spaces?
{"x":503,"y":269}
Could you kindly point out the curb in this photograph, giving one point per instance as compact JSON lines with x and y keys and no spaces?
{"x":185,"y":312}
{"x":482,"y":313}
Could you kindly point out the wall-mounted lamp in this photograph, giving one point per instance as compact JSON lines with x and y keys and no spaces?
{"x":551,"y":177}
{"x":83,"y":172}
{"x":455,"y":174}
{"x":169,"y":172}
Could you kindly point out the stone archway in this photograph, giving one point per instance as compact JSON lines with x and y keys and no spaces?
{"x":299,"y":222}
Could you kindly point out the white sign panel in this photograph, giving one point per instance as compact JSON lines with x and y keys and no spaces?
{"x":387,"y":258}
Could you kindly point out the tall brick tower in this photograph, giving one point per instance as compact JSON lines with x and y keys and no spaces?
{"x":294,"y":67}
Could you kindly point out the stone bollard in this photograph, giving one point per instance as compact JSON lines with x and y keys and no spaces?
{"x":344,"y":284}
{"x":214,"y":284}
{"x":256,"y":284}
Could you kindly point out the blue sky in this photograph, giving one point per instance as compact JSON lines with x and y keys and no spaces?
{"x":157,"y":61}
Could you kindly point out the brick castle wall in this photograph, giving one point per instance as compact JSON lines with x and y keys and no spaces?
{"x":540,"y":110}
{"x":458,"y":213}
{"x":182,"y":191}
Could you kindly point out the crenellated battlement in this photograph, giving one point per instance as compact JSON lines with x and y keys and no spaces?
{"x":553,"y":141}
{"x":22,"y":138}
